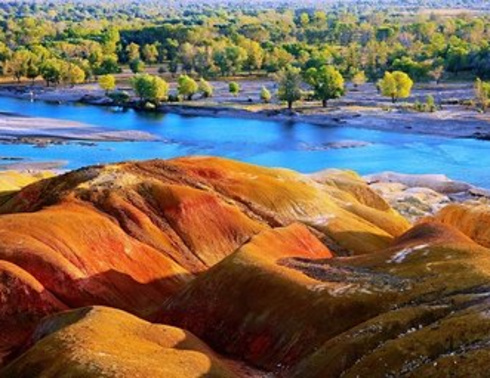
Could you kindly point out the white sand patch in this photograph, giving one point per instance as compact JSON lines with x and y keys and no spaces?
{"x":400,"y":256}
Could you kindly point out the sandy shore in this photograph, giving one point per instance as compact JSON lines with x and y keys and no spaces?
{"x":35,"y":130}
{"x":359,"y":109}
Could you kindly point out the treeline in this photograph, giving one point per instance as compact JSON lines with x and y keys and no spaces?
{"x":323,"y":84}
{"x":217,"y":41}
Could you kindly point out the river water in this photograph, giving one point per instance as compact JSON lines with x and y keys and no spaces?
{"x":300,"y":146}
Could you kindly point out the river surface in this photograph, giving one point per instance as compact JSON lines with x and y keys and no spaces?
{"x":300,"y":146}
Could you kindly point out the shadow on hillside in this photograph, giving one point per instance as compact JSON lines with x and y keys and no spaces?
{"x":111,"y":288}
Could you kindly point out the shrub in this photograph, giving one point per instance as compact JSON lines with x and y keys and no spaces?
{"x":234,"y":88}
{"x":265,"y":95}
{"x":205,"y":88}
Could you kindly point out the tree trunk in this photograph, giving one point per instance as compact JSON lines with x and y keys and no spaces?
{"x":290,"y":105}
{"x":393,"y":99}
{"x":324,"y":103}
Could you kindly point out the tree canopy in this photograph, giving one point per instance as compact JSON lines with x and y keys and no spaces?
{"x":396,"y":85}
{"x":289,"y":85}
{"x":150,"y":88}
{"x":107,"y":82}
{"x":187,"y":86}
{"x":327,"y":83}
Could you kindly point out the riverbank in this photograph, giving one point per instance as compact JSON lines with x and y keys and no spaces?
{"x":360,"y":108}
{"x":19,"y":129}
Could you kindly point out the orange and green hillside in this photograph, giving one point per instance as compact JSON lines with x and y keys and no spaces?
{"x":211,"y":267}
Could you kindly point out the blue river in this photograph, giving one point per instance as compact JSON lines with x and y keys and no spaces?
{"x":298,"y":146}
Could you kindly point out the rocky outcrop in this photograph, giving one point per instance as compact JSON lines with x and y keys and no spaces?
{"x":412,"y":203}
{"x":439,"y":183}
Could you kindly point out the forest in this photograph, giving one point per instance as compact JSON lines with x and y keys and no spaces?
{"x":74,"y":42}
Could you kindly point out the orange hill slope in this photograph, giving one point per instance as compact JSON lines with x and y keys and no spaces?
{"x":395,"y":312}
{"x":130,"y":235}
{"x":473,"y":219}
{"x":103,"y":342}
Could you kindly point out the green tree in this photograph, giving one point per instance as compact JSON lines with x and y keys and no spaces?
{"x":109,"y":65}
{"x":237,"y":56}
{"x":32,"y":70}
{"x":304,"y":19}
{"x":205,"y":88}
{"x":150,"y":88}
{"x":187,"y":54}
{"x":359,"y":79}
{"x":234,"y":88}
{"x":173,"y":66}
{"x":289,"y":85}
{"x":327,"y":83}
{"x":110,"y":40}
{"x":136,"y":66}
{"x":150,"y":53}
{"x":255,"y":55}
{"x":265,"y":95}
{"x":186,"y":86}
{"x":416,"y":70}
{"x":72,"y":74}
{"x":230,"y":60}
{"x":51,"y":71}
{"x":132,"y":52}
{"x":203,"y":61}
{"x":482,"y":93}
{"x":18,"y":64}
{"x":278,"y":59}
{"x":107,"y":83}
{"x":396,"y":85}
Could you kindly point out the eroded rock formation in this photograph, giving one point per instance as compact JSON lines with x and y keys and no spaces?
{"x":293,"y":275}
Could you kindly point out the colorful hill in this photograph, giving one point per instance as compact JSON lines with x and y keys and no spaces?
{"x":398,"y":311}
{"x":103,"y":342}
{"x":293,"y":275}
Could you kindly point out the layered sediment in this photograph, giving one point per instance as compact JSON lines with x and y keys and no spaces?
{"x":200,"y":261}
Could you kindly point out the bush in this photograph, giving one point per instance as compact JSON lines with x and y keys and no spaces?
{"x":418,"y":106}
{"x":430,"y":104}
{"x":265,"y":95}
{"x":234,"y":88}
{"x":205,"y":88}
